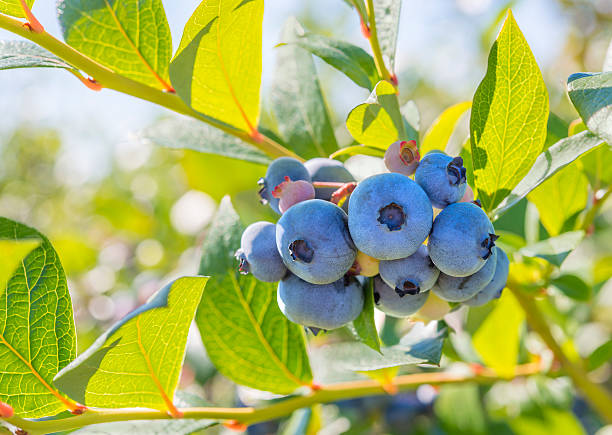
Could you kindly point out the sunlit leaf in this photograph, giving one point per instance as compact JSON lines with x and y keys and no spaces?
{"x":597,"y":166}
{"x":377,"y":122}
{"x":600,"y":356}
{"x":591,"y":95}
{"x":556,"y":249}
{"x":548,"y":163}
{"x":198,"y":136}
{"x":217,"y":68}
{"x":14,"y":8}
{"x":358,"y":149}
{"x":347,"y":58}
{"x":297,"y":99}
{"x":246,"y":336}
{"x":137,"y":362}
{"x":24,"y":54}
{"x":442,"y":128}
{"x":502,"y":325}
{"x":131,"y":37}
{"x":560,"y":198}
{"x":509,"y":117}
{"x":37,"y":336}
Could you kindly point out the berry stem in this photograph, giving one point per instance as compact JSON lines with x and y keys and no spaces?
{"x":595,"y":394}
{"x":383,"y":72}
{"x":107,"y":78}
{"x":589,"y":218}
{"x":248,"y":416}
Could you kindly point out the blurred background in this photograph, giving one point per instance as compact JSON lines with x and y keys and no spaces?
{"x":126,"y":216}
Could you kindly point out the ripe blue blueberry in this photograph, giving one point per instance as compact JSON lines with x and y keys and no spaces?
{"x":494,"y":288}
{"x":394,"y":304}
{"x":389,"y":216}
{"x":411,"y":275}
{"x":442,"y":178}
{"x":258,"y":254}
{"x":459,"y":289}
{"x":327,"y":306}
{"x":327,"y":170}
{"x":275,"y":175}
{"x":313,"y":240}
{"x":461,"y":239}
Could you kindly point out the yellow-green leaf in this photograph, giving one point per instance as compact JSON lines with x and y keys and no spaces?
{"x":131,"y":37}
{"x":560,"y":198}
{"x":217,"y":68}
{"x":377,"y":122}
{"x":442,"y":128}
{"x":497,"y":339}
{"x":509,"y":117}
{"x":14,"y":8}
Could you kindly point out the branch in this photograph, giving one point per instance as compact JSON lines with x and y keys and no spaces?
{"x":373,"y":38}
{"x":248,"y":416}
{"x":592,"y":213}
{"x":597,"y":396}
{"x":111,"y":80}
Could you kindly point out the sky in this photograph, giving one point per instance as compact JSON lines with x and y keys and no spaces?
{"x":437,"y":38}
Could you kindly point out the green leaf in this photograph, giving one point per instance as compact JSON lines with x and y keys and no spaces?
{"x":459,"y":410}
{"x":442,"y":128}
{"x":358,"y":149}
{"x":195,"y":135}
{"x":509,"y":117}
{"x":547,"y":164}
{"x":377,"y":122}
{"x":597,"y":166}
{"x":24,"y":54}
{"x":37,"y":336}
{"x":359,"y":5}
{"x":387,"y":15}
{"x":297,"y":99}
{"x":556,"y":249}
{"x":14,"y":8}
{"x":412,"y":120}
{"x":502,"y":325}
{"x":245,"y":334}
{"x":217,"y":68}
{"x":182,"y":426}
{"x":601,"y":355}
{"x":573,"y":287}
{"x":364,"y":324}
{"x":131,"y":37}
{"x":422,"y":345}
{"x":353,"y":61}
{"x":560,"y":198}
{"x":591,"y":95}
{"x":137,"y":362}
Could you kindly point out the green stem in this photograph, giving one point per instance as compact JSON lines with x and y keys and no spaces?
{"x":378,"y":57}
{"x":592,"y":213}
{"x":248,"y":416}
{"x":597,"y":396}
{"x":111,"y":80}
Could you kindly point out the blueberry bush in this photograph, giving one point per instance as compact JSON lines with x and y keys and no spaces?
{"x":403,"y":260}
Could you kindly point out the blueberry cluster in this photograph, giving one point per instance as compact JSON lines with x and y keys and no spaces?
{"x":333,"y":232}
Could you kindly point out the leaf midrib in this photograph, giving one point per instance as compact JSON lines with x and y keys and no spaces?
{"x":259,"y":332}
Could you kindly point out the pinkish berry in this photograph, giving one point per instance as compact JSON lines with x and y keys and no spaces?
{"x":291,"y":192}
{"x":402,"y":157}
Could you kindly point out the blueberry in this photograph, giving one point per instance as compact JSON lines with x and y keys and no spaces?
{"x":395,"y":304}
{"x":402,"y":157}
{"x":322,"y":169}
{"x":459,"y":289}
{"x":258,"y":254}
{"x":496,"y":285}
{"x":411,"y":275}
{"x":291,"y":192}
{"x":461,"y":239}
{"x":327,"y":306}
{"x":314,"y":242}
{"x":389,"y":216}
{"x":442,"y":178}
{"x":275,"y":175}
